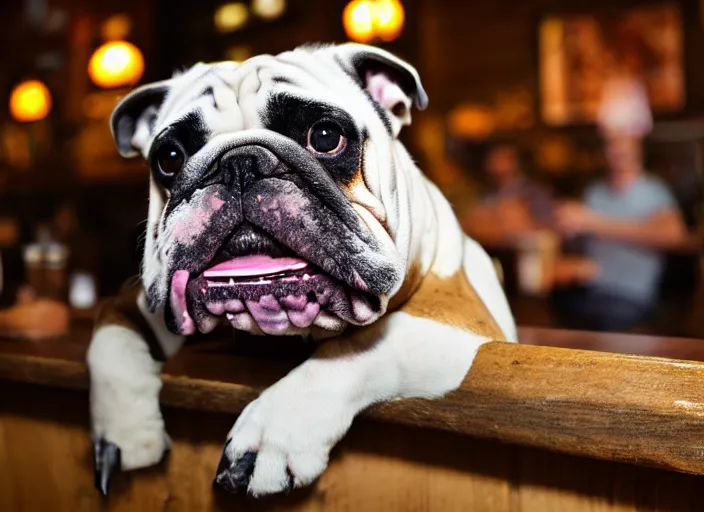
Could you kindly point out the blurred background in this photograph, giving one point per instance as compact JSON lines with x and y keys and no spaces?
{"x":567,"y":136}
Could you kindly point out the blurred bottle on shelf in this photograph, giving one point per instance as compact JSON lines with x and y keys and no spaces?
{"x":536,"y":257}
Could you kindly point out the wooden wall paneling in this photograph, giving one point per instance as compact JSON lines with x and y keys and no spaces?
{"x":45,"y":465}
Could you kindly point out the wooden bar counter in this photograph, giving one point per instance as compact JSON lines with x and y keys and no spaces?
{"x":565,"y":421}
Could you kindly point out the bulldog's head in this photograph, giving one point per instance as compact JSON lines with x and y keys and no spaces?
{"x":274,"y":196}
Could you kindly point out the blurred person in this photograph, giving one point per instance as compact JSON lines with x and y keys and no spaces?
{"x":513,"y":205}
{"x":627,"y":221}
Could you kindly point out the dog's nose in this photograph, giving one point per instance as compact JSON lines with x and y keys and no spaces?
{"x":245,"y":165}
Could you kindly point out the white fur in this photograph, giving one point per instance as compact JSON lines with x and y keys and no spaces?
{"x":296,"y":422}
{"x":124,"y":396}
{"x":125,"y":385}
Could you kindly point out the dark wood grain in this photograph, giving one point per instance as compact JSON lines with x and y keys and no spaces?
{"x":632,"y":408}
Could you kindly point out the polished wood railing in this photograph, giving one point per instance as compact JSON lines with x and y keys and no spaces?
{"x":619,"y":398}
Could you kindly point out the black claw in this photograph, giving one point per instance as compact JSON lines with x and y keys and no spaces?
{"x":235,"y":476}
{"x":106,"y":459}
{"x":291,"y":480}
{"x":224,"y":463}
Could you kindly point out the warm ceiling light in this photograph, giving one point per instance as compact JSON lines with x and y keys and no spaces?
{"x":268,"y":9}
{"x":389,"y":18}
{"x":366,"y":20}
{"x":230,"y":17}
{"x":116,"y":64}
{"x":30,"y":101}
{"x":358,"y":20}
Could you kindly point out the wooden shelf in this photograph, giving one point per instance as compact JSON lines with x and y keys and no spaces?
{"x":564,"y":396}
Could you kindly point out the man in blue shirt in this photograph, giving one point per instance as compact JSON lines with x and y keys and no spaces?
{"x":627,"y":222}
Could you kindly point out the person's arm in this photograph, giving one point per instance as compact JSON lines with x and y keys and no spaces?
{"x":497,"y":224}
{"x":663,"y":229}
{"x":482,"y":225}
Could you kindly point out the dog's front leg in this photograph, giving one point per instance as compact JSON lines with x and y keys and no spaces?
{"x":124,"y":359}
{"x":282,"y":439}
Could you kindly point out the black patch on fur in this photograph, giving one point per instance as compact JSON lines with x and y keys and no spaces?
{"x":349,"y":71}
{"x":380,"y":112}
{"x":124,"y":118}
{"x":293,"y":117}
{"x":338,"y":252}
{"x":234,"y":476}
{"x":169,"y":318}
{"x":282,"y":80}
{"x":190,"y":132}
{"x":152,"y":298}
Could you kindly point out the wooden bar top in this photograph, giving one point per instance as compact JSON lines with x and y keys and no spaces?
{"x":629,"y":398}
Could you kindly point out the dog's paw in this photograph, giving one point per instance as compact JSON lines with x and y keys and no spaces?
{"x":283,"y":439}
{"x":124,"y":401}
{"x":138,"y":448}
{"x":141,"y":446}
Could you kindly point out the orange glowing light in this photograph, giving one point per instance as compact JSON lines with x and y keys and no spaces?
{"x":389,"y":19}
{"x":30,"y":101}
{"x":116,"y":64}
{"x":358,"y":20}
{"x":366,"y":20}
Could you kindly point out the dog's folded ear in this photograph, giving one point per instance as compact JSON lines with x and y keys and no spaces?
{"x":133,"y":119}
{"x":391,"y":82}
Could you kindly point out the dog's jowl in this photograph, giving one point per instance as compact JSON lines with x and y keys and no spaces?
{"x":283,"y":203}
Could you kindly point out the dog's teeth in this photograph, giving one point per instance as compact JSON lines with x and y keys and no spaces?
{"x":232,"y":282}
{"x":306,"y":277}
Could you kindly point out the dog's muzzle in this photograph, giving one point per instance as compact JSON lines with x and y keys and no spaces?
{"x":266,"y":238}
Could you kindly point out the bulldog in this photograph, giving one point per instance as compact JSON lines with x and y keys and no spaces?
{"x":282,"y":202}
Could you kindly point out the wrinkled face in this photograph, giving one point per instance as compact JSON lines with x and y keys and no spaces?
{"x":272,"y":200}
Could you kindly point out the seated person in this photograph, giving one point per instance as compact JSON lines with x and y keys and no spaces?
{"x":626,"y":222}
{"x":513,"y":205}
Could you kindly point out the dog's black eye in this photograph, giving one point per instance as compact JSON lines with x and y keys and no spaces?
{"x":326,"y":138}
{"x":170,"y":159}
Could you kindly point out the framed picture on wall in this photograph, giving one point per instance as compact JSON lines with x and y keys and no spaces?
{"x":579,"y":52}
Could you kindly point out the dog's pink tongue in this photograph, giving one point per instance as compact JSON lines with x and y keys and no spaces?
{"x":255,"y":265}
{"x":183,"y":319}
